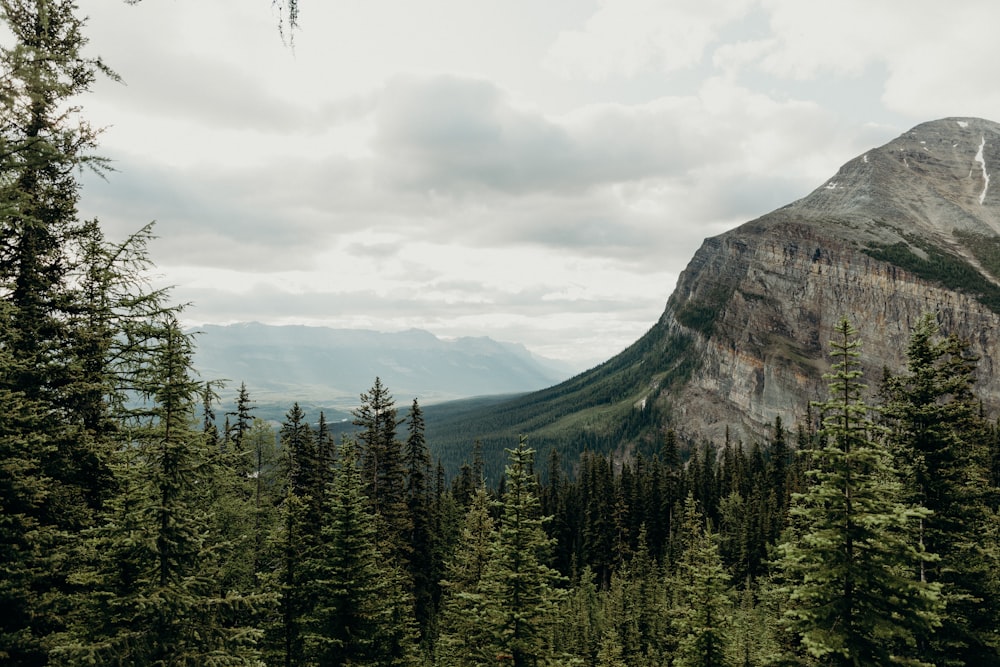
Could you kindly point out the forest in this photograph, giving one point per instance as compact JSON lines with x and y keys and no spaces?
{"x":143,"y":523}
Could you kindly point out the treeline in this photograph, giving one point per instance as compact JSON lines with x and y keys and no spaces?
{"x":869,"y":536}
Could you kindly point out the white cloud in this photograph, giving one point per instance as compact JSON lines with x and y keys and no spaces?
{"x":934,"y":56}
{"x":625,"y":37}
{"x":539,"y":172}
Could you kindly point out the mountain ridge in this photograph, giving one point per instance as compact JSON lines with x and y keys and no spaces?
{"x":896,"y":232}
{"x":901,"y":230}
{"x":333,"y":366}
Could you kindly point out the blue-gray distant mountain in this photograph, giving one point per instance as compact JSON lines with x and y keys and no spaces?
{"x":333,"y":366}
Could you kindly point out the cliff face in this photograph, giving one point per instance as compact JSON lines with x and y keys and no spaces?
{"x":905,"y":229}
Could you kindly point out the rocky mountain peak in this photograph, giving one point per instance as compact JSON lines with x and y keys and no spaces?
{"x":901,"y":230}
{"x":937,"y":174}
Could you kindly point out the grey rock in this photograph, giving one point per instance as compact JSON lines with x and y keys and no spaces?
{"x":902,"y":230}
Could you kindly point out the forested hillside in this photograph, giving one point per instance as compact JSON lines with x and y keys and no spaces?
{"x":143,"y":523}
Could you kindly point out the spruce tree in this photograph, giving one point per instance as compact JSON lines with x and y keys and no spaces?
{"x":521,"y":587}
{"x":56,"y":471}
{"x":463,"y":625}
{"x":156,"y":563}
{"x":244,"y":419}
{"x":852,"y":601}
{"x":423,"y":565}
{"x":362,"y":615}
{"x":297,"y":538}
{"x":701,"y":619}
{"x":383,"y":469}
{"x":936,"y":433}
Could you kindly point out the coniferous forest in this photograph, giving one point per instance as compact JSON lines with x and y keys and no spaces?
{"x":144,"y":523}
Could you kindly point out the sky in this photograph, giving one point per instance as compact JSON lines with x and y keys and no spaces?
{"x":535,"y":172}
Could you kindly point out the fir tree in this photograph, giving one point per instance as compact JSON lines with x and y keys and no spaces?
{"x":424,"y":566}
{"x":701,"y":619}
{"x":157,"y":562}
{"x":936,"y":432}
{"x":521,"y":587}
{"x":464,"y":636}
{"x":362,"y":615}
{"x":56,"y":472}
{"x":383,"y":469}
{"x":297,"y":539}
{"x":243,"y":413}
{"x":851,"y":601}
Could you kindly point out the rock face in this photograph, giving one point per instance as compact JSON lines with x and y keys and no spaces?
{"x":905,"y":229}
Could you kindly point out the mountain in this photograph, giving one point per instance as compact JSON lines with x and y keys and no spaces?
{"x":331,"y":367}
{"x":904,"y":229}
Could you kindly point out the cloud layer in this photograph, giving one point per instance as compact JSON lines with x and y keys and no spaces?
{"x":539,"y":174}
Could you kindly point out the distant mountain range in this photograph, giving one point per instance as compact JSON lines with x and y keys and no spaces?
{"x":331,"y":367}
{"x":901,"y":230}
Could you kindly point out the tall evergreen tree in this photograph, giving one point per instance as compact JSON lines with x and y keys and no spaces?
{"x":521,"y":587}
{"x":297,"y":539}
{"x":702,"y":615}
{"x":851,"y":599}
{"x":937,"y":434}
{"x":55,"y":476}
{"x":157,"y":562}
{"x":383,"y":469}
{"x":362,"y":615}
{"x":464,"y":635}
{"x":424,"y":567}
{"x":244,"y":419}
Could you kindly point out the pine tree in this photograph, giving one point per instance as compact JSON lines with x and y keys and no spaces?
{"x":635,"y":608}
{"x":936,"y":433}
{"x":579,"y":633}
{"x":232,"y":495}
{"x":362,"y":615}
{"x":297,"y":539}
{"x":326,"y":448}
{"x":56,"y":474}
{"x":463,"y":623}
{"x":521,"y":588}
{"x":611,"y":653}
{"x":383,"y":469}
{"x":851,"y":600}
{"x":156,"y":563}
{"x":425,"y":568}
{"x":261,"y":445}
{"x":702,"y":606}
{"x":243,"y":413}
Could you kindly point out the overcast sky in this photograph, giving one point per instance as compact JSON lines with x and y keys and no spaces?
{"x":535,"y":171}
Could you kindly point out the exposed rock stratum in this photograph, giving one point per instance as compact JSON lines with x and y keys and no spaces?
{"x":905,"y":229}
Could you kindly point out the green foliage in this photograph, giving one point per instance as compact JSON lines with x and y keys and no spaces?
{"x":133,"y":532}
{"x":383,"y":469}
{"x":464,"y":635}
{"x":603,"y":409}
{"x":941,"y":267}
{"x":701,"y":597}
{"x":937,"y":437}
{"x":522,"y":590}
{"x":851,"y":599}
{"x":985,"y":248}
{"x":152,"y":565}
{"x":702,"y":312}
{"x":362,"y":615}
